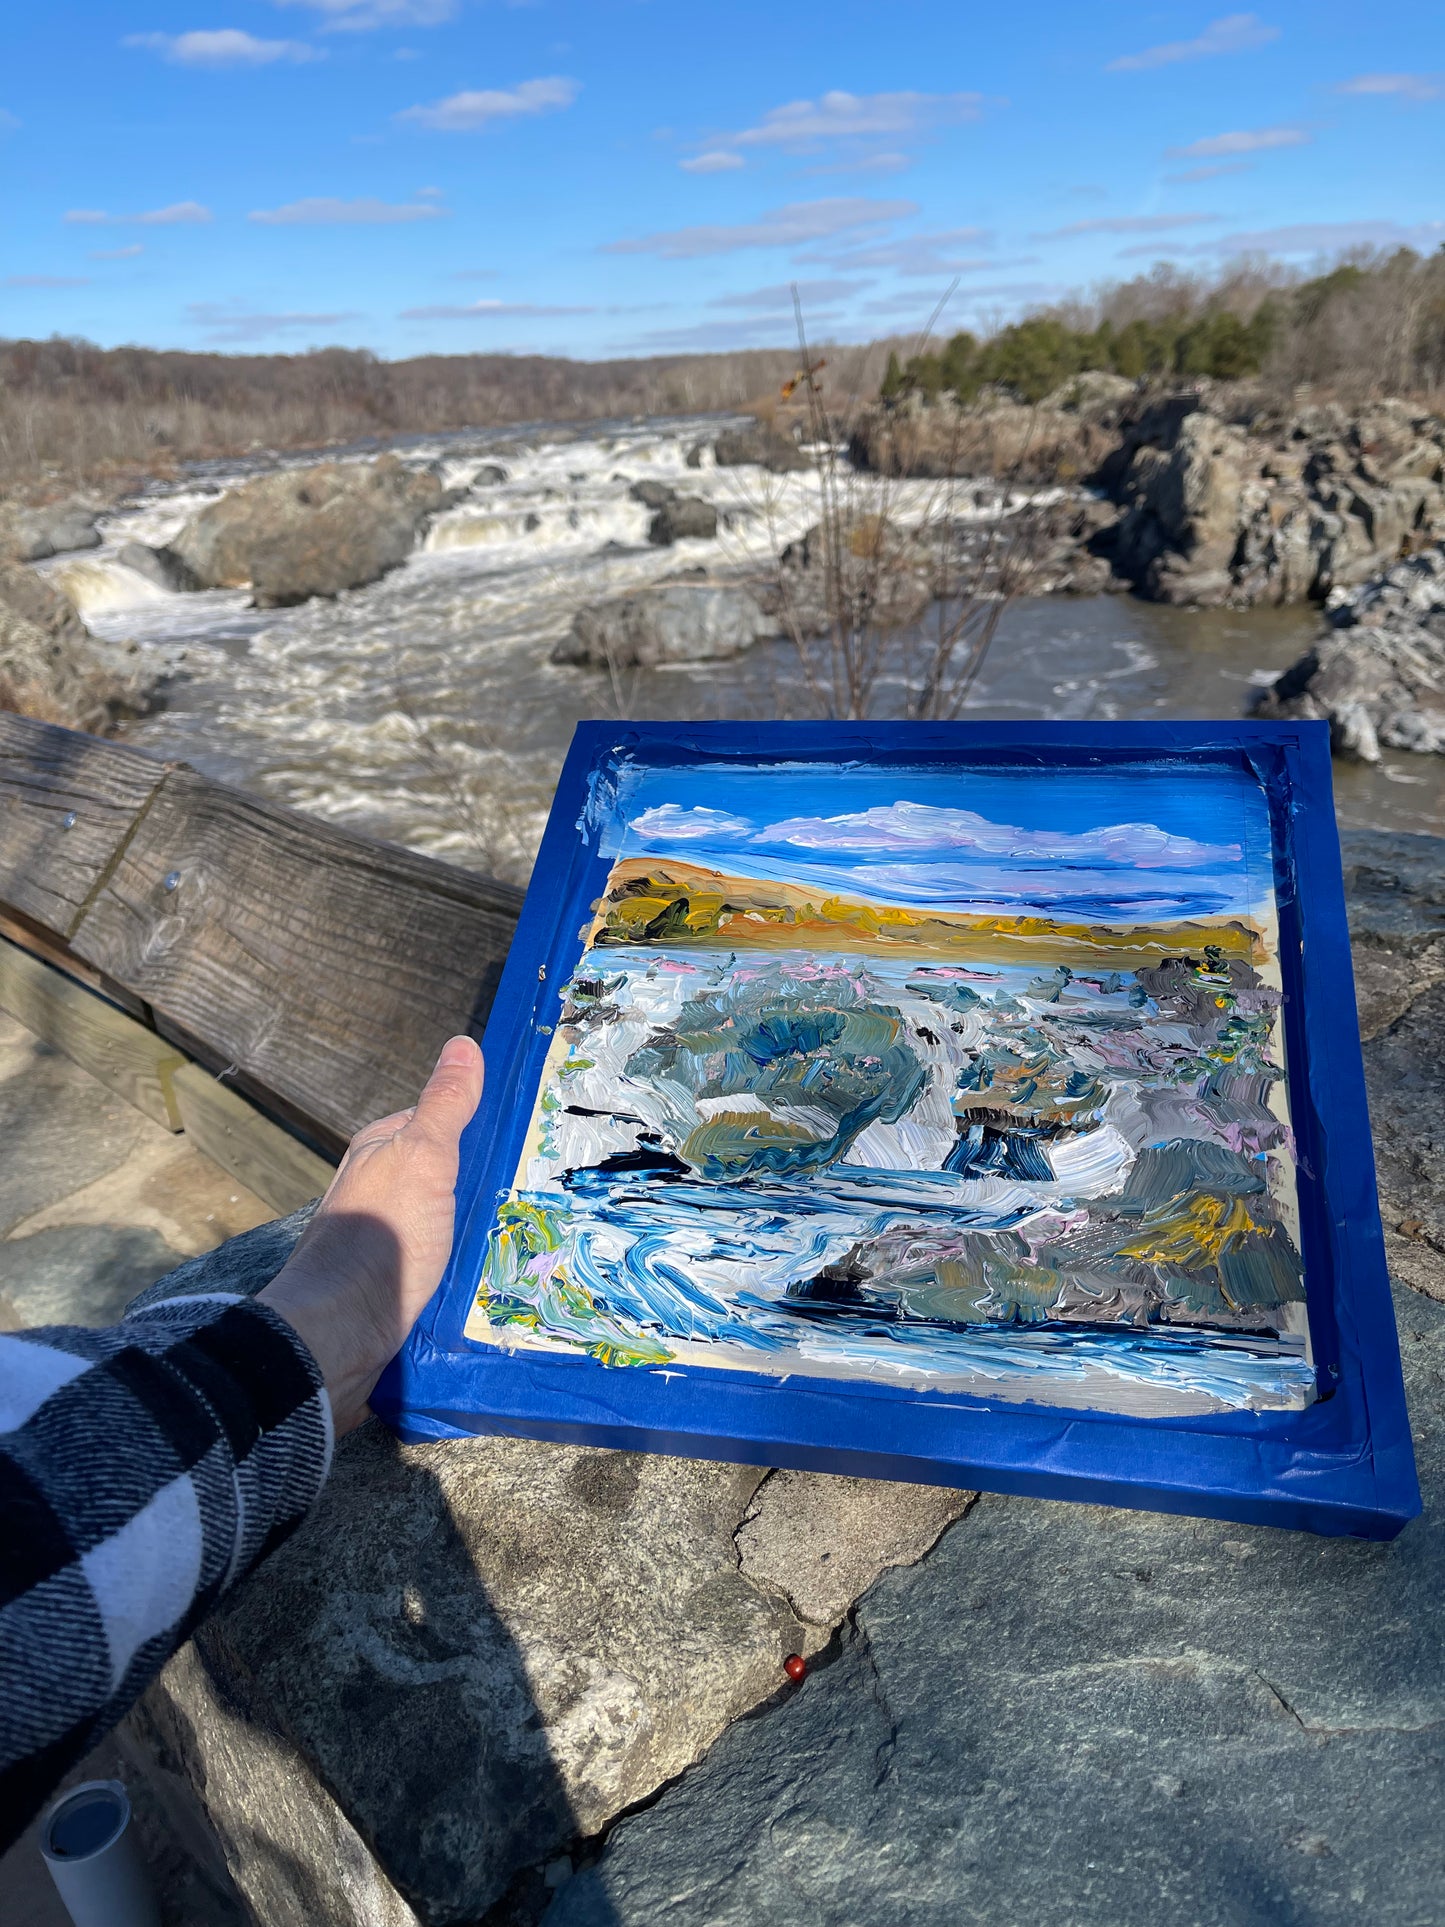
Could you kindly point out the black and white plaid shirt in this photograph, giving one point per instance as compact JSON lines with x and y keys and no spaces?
{"x":144,"y":1469}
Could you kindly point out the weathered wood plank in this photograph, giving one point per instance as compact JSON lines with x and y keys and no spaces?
{"x":327,"y":967}
{"x":123,"y":1054}
{"x":67,"y":804}
{"x":266,"y":1159}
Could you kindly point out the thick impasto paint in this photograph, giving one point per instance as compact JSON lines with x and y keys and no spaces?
{"x":968,"y":1079}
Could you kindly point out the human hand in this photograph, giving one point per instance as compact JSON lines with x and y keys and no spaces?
{"x":375,"y":1250}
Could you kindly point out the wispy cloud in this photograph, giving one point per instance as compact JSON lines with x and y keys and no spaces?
{"x":1126,"y":224}
{"x":801,"y":126}
{"x":47,"y":281}
{"x":917,"y":256}
{"x":178,"y":214}
{"x":781,"y":227}
{"x":778,"y":299}
{"x":1236,"y":33}
{"x":325,"y":210}
{"x":365,"y":16}
{"x":866,"y":164}
{"x":9,"y":123}
{"x":221,"y":47}
{"x":1254,"y":140}
{"x":232,"y":321}
{"x":490,"y":311}
{"x":468,"y":112}
{"x":713,"y":162}
{"x":1210,"y":172}
{"x":1402,"y":86}
{"x":117,"y":254}
{"x":701,"y":337}
{"x":1326,"y":237}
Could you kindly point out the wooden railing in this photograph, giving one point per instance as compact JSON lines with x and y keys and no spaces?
{"x":247,"y":958}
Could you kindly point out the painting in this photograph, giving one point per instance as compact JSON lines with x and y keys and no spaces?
{"x":964,"y":1077}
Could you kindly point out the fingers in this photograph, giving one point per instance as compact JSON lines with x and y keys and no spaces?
{"x":452,"y":1092}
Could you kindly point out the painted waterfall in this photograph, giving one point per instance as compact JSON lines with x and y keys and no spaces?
{"x":968,"y":1080}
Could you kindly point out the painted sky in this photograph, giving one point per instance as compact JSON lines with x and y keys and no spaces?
{"x":623,"y":176}
{"x":1133,"y":846}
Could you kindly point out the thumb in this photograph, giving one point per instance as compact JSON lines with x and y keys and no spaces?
{"x":452,"y":1092}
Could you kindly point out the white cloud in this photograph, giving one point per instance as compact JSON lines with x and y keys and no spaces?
{"x":489,"y":311}
{"x":1210,"y":172}
{"x":1405,"y":86}
{"x":465,"y":113}
{"x":325,"y":210}
{"x":222,"y":47}
{"x":1245,"y":141}
{"x":715,"y":162}
{"x":178,"y":214}
{"x":117,"y":254}
{"x":780,"y":227}
{"x":925,"y":826}
{"x":365,"y":16}
{"x":47,"y":281}
{"x":1236,"y":33}
{"x":1127,"y":224}
{"x":802,"y":125}
{"x":232,"y":321}
{"x":779,"y":297}
{"x":671,"y":823}
{"x":918,"y":255}
{"x":1327,"y":237}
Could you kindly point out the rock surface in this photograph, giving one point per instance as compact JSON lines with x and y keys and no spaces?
{"x":1077,"y":1717}
{"x":1222,"y":499}
{"x":312,"y":531}
{"x":475,"y":1656}
{"x":685,"y":518}
{"x":52,"y":668}
{"x":760,"y":446}
{"x":1377,"y":675}
{"x":161,"y":566}
{"x":38,"y":533}
{"x":668,"y":622}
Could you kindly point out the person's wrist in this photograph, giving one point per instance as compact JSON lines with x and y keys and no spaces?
{"x":337,"y":1332}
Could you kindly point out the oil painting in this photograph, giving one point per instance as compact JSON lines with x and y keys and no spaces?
{"x":964,"y":1078}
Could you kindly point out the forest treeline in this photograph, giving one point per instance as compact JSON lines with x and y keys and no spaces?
{"x":1367,"y":326}
{"x":70,"y":411}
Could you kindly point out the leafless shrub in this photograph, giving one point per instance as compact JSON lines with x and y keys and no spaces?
{"x":892,"y":600}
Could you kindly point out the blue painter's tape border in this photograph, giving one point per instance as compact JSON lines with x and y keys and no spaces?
{"x":1344,"y":1465}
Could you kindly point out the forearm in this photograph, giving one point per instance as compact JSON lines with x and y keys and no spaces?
{"x":144,"y":1469}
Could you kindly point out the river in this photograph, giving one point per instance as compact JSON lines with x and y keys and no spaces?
{"x":424,"y":708}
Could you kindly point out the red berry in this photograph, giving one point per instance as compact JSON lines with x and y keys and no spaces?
{"x":795,"y":1666}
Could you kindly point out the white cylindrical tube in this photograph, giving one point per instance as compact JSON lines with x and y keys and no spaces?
{"x":94,"y":1860}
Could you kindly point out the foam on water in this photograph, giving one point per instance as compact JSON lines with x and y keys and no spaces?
{"x":425,"y":707}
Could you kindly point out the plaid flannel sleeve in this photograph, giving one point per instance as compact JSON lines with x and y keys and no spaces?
{"x":144,"y":1469}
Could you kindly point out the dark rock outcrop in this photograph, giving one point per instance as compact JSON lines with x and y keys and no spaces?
{"x":760,"y":446}
{"x":1377,"y":674}
{"x":311,"y":531}
{"x":668,"y":622}
{"x":652,"y":495}
{"x":684,"y":518}
{"x":161,"y":566}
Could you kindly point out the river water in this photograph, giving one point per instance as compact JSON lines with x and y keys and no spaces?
{"x":424,"y":708}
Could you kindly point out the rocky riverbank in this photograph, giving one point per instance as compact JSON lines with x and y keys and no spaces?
{"x":1377,"y":676}
{"x":1221,"y":497}
{"x":51,"y":666}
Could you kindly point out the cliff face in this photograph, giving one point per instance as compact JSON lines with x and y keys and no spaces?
{"x":1221,"y":498}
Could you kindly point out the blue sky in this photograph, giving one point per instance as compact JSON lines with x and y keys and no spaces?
{"x":629,"y":176}
{"x":1133,"y":845}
